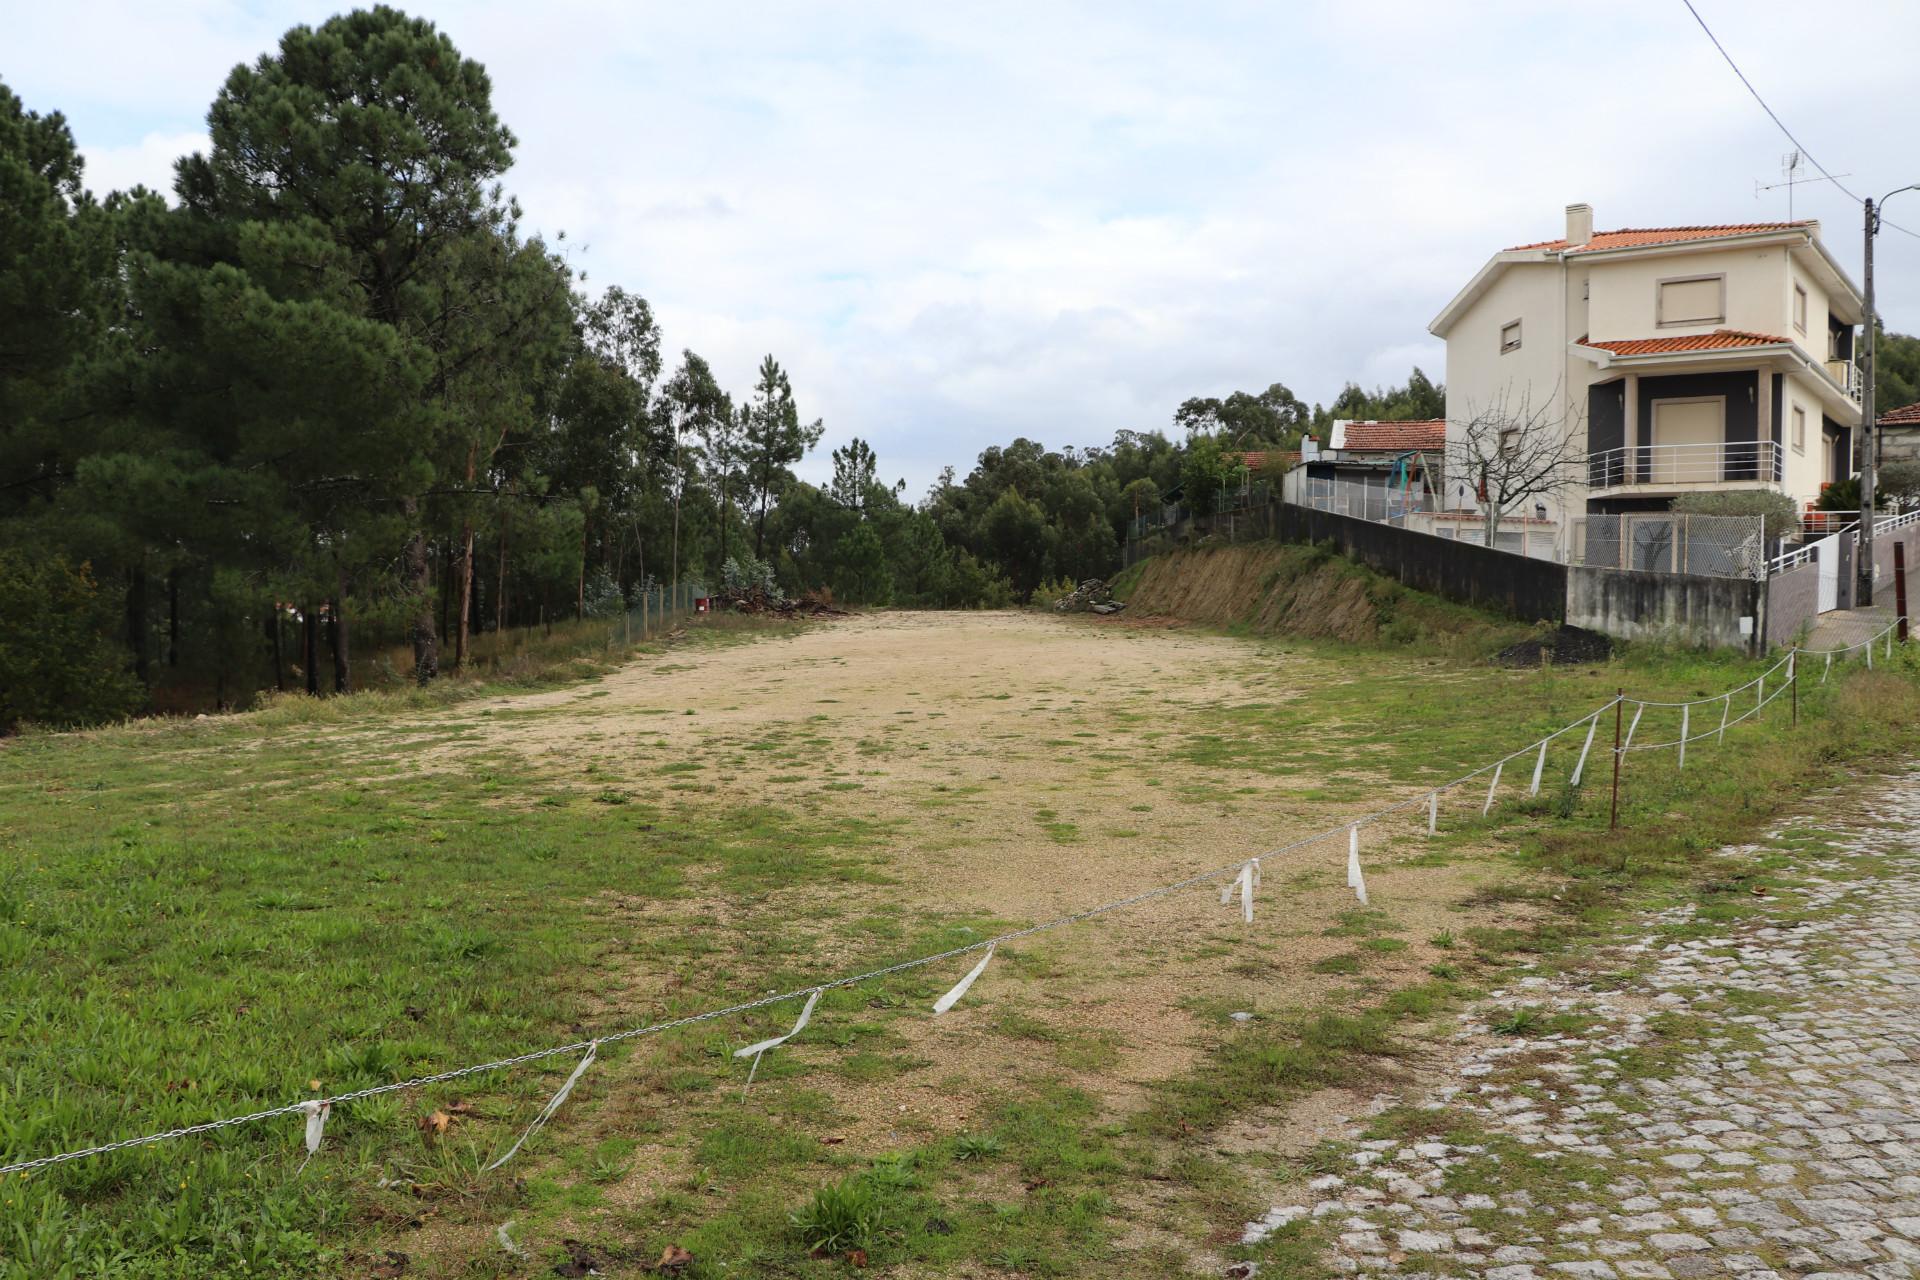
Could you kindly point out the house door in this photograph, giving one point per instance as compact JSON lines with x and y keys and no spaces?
{"x":1826,"y":557}
{"x":1687,"y":439}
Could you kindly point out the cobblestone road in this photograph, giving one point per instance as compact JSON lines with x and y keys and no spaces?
{"x":1737,"y":1098}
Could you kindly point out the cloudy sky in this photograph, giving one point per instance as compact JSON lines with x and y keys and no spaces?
{"x":960,"y":223}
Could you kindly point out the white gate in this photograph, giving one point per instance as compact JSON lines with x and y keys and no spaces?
{"x":1826,"y":559}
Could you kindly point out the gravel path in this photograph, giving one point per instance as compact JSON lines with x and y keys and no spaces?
{"x":1744,"y":1101}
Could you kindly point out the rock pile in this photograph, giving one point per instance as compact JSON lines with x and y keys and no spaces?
{"x":1091,"y":596}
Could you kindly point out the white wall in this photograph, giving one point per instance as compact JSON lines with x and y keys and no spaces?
{"x":1624,"y":293}
{"x":1802,"y":471}
{"x":1541,"y":375}
{"x":1814,"y":340}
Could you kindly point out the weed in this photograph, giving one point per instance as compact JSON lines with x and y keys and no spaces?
{"x":976,"y":1146}
{"x":841,"y":1216}
{"x":1519,"y":1022}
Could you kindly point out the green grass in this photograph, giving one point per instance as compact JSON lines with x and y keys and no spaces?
{"x":201,"y":918}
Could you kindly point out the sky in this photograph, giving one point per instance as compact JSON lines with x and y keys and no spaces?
{"x":958,"y":224}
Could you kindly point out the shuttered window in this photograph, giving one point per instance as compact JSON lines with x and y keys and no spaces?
{"x":1695,"y":300}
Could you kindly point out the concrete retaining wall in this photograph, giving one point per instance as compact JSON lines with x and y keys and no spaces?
{"x":1793,"y":602}
{"x":1519,"y":586}
{"x":1668,"y":607}
{"x":1884,"y":592}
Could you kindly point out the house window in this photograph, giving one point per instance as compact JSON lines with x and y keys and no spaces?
{"x":1509,"y":440}
{"x":1509,"y":337}
{"x":1799,"y":429}
{"x":1687,"y":300}
{"x":1799,"y":308}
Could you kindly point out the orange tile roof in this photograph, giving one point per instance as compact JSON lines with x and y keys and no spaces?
{"x":1637,"y":237}
{"x":1396,"y":437}
{"x":1718,"y":340}
{"x":1256,"y":459}
{"x":1905,"y":416}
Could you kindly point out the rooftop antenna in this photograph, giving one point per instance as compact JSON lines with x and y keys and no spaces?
{"x":1790,"y":170}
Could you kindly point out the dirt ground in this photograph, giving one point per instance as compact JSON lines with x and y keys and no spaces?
{"x":1025,"y":766}
{"x":1021,"y":767}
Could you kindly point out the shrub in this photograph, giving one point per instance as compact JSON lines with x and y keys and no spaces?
{"x":57,"y":666}
{"x":1898,"y":485}
{"x":1777,"y":509}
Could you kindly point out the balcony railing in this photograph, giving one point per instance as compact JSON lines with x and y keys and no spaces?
{"x":1847,"y":374}
{"x":1667,"y":464}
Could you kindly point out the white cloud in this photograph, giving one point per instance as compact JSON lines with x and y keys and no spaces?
{"x":148,"y":162}
{"x":956,"y":224}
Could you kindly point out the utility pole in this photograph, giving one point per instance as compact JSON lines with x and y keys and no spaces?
{"x":1869,"y":418}
{"x":1869,"y":437}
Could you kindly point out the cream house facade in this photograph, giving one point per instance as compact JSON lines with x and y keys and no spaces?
{"x":1675,"y":359}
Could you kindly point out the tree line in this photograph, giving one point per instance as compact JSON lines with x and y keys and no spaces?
{"x":332,"y":394}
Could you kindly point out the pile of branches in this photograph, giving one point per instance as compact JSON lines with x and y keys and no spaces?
{"x":758,"y":599}
{"x":1091,"y":596}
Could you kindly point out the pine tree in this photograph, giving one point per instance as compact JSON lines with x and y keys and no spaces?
{"x":775,"y":440}
{"x":362,"y":159}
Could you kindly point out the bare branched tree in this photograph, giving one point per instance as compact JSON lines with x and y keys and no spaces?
{"x":1508,"y":456}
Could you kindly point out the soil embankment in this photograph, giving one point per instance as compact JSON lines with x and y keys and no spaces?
{"x":1288,"y":589}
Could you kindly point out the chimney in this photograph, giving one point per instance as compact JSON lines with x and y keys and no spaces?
{"x":1579,"y":223}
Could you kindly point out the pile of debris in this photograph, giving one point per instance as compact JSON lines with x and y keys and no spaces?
{"x":762,"y":600}
{"x":1091,"y":596}
{"x":1565,"y":647}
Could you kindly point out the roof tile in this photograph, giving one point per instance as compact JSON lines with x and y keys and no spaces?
{"x":1718,"y":340}
{"x":1638,"y":237}
{"x":1396,"y":437}
{"x":1905,"y":416}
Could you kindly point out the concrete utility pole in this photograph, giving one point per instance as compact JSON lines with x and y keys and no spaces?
{"x":1869,"y":417}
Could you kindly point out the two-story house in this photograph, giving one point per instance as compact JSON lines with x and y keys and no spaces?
{"x":1675,"y":359}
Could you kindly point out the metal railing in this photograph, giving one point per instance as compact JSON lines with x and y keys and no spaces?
{"x":1818,"y":524}
{"x":1711,"y":463}
{"x":1901,"y":521}
{"x":1847,"y":374}
{"x":1381,"y":503}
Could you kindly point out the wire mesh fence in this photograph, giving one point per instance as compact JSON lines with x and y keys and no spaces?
{"x":1670,"y":542}
{"x":1376,"y":500}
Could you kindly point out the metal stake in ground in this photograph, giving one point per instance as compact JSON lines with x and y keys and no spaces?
{"x":1900,"y":587}
{"x":1613,"y":818}
{"x":1793,"y":678}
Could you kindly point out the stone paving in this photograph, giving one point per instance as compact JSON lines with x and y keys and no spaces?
{"x":1738,"y":1099}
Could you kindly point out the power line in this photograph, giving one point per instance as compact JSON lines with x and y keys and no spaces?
{"x":1782,"y":124}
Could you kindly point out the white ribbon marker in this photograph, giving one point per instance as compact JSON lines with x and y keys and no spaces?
{"x":1726,"y":705}
{"x":1356,"y":881}
{"x":1869,"y":655}
{"x":1826,"y":670}
{"x":1637,"y":713}
{"x":1433,"y":813}
{"x":952,"y":997}
{"x":1760,"y":698}
{"x":316,"y":1113}
{"x":1585,"y":747}
{"x":1487,"y":808}
{"x":1538,"y":766}
{"x":553,"y":1105}
{"x":1246,"y":882}
{"x":1685,"y":715}
{"x":755,"y":1050}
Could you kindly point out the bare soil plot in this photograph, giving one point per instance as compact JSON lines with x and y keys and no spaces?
{"x":1019,"y":767}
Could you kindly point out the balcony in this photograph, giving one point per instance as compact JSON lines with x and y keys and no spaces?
{"x":1847,"y":374}
{"x":1743,"y":462}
